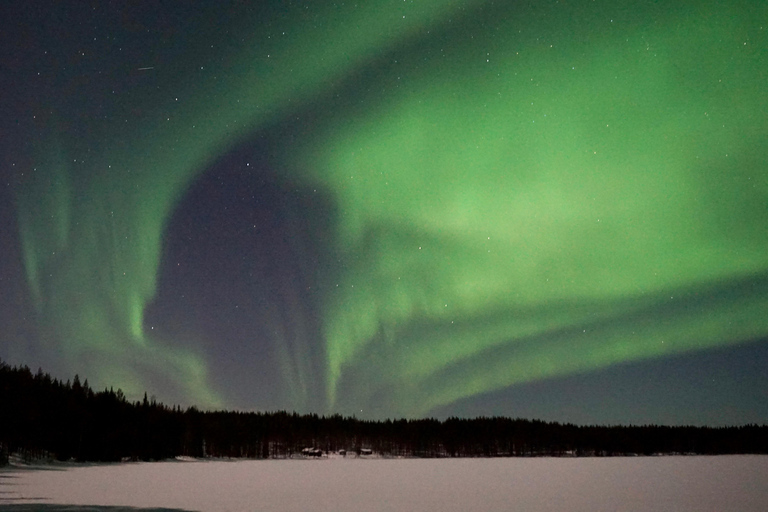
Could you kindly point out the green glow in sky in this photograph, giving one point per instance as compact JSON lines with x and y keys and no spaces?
{"x":521,"y":194}
{"x":550,"y":188}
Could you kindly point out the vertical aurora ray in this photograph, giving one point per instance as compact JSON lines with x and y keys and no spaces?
{"x":91,"y":234}
{"x":521,"y":193}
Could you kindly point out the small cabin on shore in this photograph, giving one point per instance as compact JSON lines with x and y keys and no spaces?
{"x":312,"y":452}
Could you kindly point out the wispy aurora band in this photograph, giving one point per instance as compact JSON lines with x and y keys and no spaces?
{"x":517,"y":201}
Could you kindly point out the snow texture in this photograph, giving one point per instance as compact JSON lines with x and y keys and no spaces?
{"x":681,"y":483}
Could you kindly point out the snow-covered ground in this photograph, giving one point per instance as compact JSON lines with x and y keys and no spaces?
{"x":724,"y":483}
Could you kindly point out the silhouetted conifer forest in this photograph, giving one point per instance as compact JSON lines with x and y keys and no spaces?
{"x":44,"y":418}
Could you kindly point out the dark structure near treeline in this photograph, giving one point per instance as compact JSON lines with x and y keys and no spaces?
{"x":41,"y":417}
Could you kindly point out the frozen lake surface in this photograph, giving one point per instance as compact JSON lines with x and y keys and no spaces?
{"x":695,"y":483}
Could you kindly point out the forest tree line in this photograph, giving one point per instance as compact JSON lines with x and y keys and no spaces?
{"x":44,"y":418}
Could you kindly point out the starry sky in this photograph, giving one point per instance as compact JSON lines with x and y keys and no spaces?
{"x":553,"y":210}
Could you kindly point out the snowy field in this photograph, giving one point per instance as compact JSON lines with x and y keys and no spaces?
{"x":724,"y":483}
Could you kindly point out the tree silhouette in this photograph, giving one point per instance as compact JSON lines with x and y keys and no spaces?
{"x":43,"y":418}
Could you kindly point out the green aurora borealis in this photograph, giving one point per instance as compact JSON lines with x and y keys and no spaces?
{"x":515,"y":193}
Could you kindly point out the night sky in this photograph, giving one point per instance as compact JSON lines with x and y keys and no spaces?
{"x":553,"y":210}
